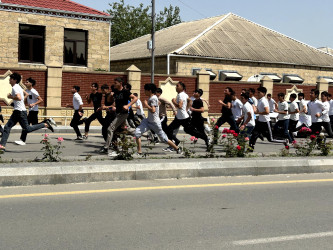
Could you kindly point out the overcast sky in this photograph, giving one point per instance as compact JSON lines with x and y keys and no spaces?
{"x":304,"y":20}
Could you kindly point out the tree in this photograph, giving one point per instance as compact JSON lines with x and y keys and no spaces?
{"x":129,"y":22}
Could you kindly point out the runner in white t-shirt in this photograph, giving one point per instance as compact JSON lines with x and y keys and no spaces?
{"x":182,"y":118}
{"x":294,"y":115}
{"x":236,"y":107}
{"x":263,"y":123}
{"x":283,"y":118}
{"x":19,"y":114}
{"x":325,"y":114}
{"x":247,"y":116}
{"x":304,"y":118}
{"x":33,"y":99}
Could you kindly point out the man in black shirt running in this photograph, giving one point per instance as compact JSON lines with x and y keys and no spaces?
{"x":96,"y":98}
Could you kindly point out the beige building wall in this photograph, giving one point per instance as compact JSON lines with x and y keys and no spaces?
{"x":248,"y":69}
{"x":98,"y":41}
{"x":184,"y":66}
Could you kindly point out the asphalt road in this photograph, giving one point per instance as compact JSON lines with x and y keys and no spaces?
{"x":81,"y":149}
{"x":265,"y":212}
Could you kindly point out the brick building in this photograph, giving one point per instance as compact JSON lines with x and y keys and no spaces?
{"x":44,"y":39}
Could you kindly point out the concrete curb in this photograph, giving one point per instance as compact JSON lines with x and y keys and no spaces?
{"x":96,"y":171}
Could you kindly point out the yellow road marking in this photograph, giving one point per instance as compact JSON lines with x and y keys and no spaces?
{"x":161,"y":188}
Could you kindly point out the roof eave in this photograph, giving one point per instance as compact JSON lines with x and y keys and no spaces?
{"x":55,"y":10}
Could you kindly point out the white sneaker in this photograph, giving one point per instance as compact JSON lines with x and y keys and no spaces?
{"x":112,"y":154}
{"x":52,"y":122}
{"x":168,"y":149}
{"x":22,"y":143}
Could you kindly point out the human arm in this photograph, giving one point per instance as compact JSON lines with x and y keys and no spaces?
{"x":249,"y":117}
{"x":133,"y":100}
{"x":152,"y":109}
{"x":39,"y":100}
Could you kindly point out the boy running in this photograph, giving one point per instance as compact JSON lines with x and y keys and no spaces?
{"x":153,"y":121}
{"x":19,"y":114}
{"x":32,"y":99}
{"x":96,"y":98}
{"x":123,"y":99}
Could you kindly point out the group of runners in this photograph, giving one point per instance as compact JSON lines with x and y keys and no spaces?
{"x":247,"y":115}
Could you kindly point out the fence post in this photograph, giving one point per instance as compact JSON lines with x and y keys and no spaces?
{"x":53,"y":91}
{"x":203,"y":83}
{"x":322,"y":85}
{"x":134,"y":78}
{"x":268,"y":84}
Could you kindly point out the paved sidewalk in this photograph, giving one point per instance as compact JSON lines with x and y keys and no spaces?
{"x":83,"y":163}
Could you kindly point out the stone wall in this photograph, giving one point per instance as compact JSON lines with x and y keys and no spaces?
{"x":98,"y":40}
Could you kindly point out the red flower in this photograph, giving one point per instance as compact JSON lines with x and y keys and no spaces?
{"x":224,"y":136}
{"x":238,"y":147}
{"x":225,"y":130}
{"x":235,"y":134}
{"x":317,"y":132}
{"x":216,"y":127}
{"x":232,"y":131}
{"x":287,"y":147}
{"x":312,"y":137}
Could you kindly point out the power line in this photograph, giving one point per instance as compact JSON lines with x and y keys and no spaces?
{"x":188,"y":6}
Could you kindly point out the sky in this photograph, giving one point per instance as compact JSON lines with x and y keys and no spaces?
{"x":307,"y":21}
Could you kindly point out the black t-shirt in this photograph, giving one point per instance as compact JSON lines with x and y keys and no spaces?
{"x":106,"y":102}
{"x":197,"y":104}
{"x":121,"y":99}
{"x":96,"y":99}
{"x":225,"y":110}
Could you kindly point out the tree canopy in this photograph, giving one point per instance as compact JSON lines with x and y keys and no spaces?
{"x":129,"y":22}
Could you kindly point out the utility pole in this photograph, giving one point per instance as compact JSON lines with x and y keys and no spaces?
{"x":153,"y":41}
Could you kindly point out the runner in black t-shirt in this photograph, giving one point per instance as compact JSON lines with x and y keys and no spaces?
{"x":96,"y":98}
{"x":109,"y":108}
{"x":226,"y":114}
{"x":197,"y":121}
{"x":121,"y":97}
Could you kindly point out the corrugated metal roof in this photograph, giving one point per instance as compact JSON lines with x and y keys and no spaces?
{"x":228,"y":37}
{"x":167,"y":40}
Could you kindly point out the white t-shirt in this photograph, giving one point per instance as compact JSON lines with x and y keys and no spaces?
{"x":325,"y":113}
{"x":331,"y":107}
{"x":262,"y":104}
{"x":139,"y":111}
{"x":255,"y":101}
{"x":236,"y":108}
{"x":18,"y":105}
{"x":182,"y":112}
{"x":302,"y":104}
{"x":32,"y":98}
{"x":247,"y":107}
{"x":153,"y":117}
{"x":315,"y":107}
{"x":292,"y":108}
{"x":77,"y":101}
{"x":283,"y":106}
{"x":271,"y":105}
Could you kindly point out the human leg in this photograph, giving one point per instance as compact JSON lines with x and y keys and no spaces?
{"x":75,"y":123}
{"x":118,"y":121}
{"x":141,"y":129}
{"x":328,"y":129}
{"x":171,"y":128}
{"x":14,"y":118}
